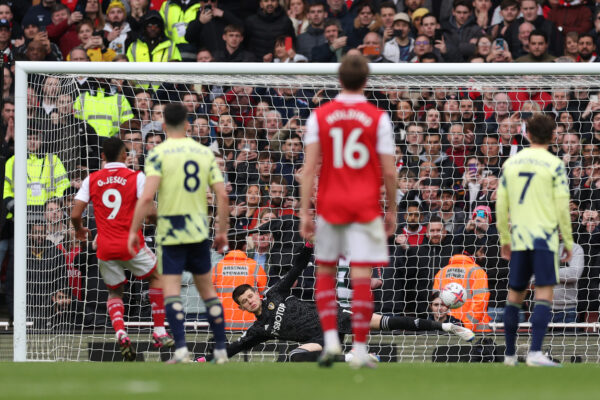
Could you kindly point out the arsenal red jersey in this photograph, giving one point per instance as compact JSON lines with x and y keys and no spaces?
{"x":114,"y":191}
{"x":352,"y":133}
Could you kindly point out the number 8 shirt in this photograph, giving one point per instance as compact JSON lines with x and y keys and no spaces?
{"x":351,"y":133}
{"x":114,"y":191}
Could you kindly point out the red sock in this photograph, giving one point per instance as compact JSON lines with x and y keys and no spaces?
{"x":326,"y":304}
{"x":116,"y":311}
{"x":362,"y":308}
{"x":158,"y":306}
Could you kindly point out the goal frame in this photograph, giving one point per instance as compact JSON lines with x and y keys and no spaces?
{"x":24,"y":68}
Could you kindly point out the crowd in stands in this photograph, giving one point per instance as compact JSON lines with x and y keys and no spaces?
{"x":450,"y":142}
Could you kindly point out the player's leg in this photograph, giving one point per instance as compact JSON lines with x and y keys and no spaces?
{"x":328,"y":247}
{"x":307,"y":352}
{"x":144,"y":266}
{"x":171,"y":261}
{"x":545,"y":266}
{"x":114,"y":279}
{"x":200,"y":266}
{"x":367,"y":246}
{"x":398,"y":322}
{"x":520,"y":272}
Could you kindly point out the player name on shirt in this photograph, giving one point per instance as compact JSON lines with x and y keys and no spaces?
{"x":119,"y":180}
{"x":357,"y":115}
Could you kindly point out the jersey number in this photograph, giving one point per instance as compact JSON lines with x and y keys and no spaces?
{"x":191,"y":181}
{"x":528,"y":176}
{"x":114,"y":203}
{"x":352,"y":153}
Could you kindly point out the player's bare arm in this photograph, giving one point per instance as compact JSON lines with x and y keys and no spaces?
{"x":220,"y":240}
{"x":311,"y":154}
{"x":388,"y":170}
{"x":81,"y":232}
{"x":142,"y":209}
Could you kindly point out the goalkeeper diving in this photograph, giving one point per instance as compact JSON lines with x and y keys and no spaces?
{"x":285,"y":317}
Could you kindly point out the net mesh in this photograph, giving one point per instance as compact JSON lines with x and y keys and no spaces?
{"x":452,"y":135}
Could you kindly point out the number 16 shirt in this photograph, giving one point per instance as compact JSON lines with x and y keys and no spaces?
{"x":113,"y":191}
{"x":186,"y":169}
{"x":352,"y":133}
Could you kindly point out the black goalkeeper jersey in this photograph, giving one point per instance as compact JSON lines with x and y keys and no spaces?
{"x":283,"y":316}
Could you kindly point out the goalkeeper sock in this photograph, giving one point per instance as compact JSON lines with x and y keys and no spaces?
{"x":115,"y":311}
{"x":409,"y":324}
{"x":176,"y":317}
{"x":511,"y":324}
{"x":362,"y":309}
{"x":542,"y":314}
{"x":327,"y":307}
{"x":216,"y":319}
{"x":158,"y":309}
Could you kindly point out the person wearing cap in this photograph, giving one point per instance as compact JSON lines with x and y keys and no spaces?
{"x":6,"y":13}
{"x":463,"y":269}
{"x":5,"y":45}
{"x":152,"y":44}
{"x":417,"y":16}
{"x":42,"y":12}
{"x":400,"y":47}
{"x":116,"y":29}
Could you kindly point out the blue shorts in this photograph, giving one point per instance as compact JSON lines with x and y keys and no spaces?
{"x":192,"y":257}
{"x":541,"y":263}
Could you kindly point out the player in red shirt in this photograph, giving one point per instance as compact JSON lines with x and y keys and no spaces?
{"x":355,"y":140}
{"x":114,"y":191}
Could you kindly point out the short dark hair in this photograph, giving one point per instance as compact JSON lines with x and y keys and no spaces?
{"x":509,"y":3}
{"x":112,"y":148}
{"x":464,"y":3}
{"x":175,"y":114}
{"x":59,"y":7}
{"x":234,"y":28}
{"x":353,"y":72}
{"x":240,"y":290}
{"x":333,"y":22}
{"x":413,"y":204}
{"x":435,"y":218}
{"x":540,"y":128}
{"x":539,"y":32}
{"x":587,"y":35}
{"x":151,"y":134}
{"x":428,"y":56}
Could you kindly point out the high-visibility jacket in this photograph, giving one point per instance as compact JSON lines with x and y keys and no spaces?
{"x":177,"y":20}
{"x":163,"y":52}
{"x":234,"y":270}
{"x":463,"y":270}
{"x":46,"y":178}
{"x":105,"y":113}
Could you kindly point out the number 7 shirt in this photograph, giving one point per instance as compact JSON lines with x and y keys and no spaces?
{"x":352,"y":133}
{"x":113,"y":191}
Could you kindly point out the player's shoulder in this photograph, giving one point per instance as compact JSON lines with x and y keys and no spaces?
{"x":539,"y":157}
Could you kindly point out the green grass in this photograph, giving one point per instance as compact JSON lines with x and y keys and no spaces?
{"x":244,"y":381}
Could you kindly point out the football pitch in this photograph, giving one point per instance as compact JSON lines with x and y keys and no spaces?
{"x":294,"y":381}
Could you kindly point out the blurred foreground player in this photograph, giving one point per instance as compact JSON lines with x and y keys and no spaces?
{"x":534,"y":191}
{"x":355,"y":140}
{"x":285,"y":317}
{"x":181,"y":170}
{"x":113,"y":191}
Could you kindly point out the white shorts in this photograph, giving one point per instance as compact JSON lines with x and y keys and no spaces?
{"x":141,"y":266}
{"x":364,"y":243}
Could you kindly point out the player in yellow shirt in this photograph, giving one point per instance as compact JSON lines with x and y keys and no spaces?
{"x":534,"y":191}
{"x":181,"y":170}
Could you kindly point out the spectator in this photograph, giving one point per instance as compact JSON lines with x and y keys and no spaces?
{"x":93,"y":42}
{"x":439,"y":311}
{"x":116,"y":29}
{"x":461,"y":31}
{"x":281,"y":54}
{"x":152,"y":44}
{"x":337,"y":9}
{"x":509,"y":11}
{"x":63,"y":29}
{"x":371,"y":48}
{"x":482,"y":11}
{"x":201,"y":131}
{"x":524,"y":30}
{"x":314,"y":34}
{"x":399,"y":48}
{"x":139,"y":8}
{"x":571,"y":16}
{"x":452,"y":217}
{"x":266,"y":167}
{"x":152,"y":139}
{"x":387,"y":11}
{"x":263,"y":27}
{"x":529,"y":10}
{"x":366,"y":21}
{"x":537,"y":49}
{"x":246,"y":211}
{"x":490,"y":151}
{"x":333,"y":49}
{"x":586,"y":48}
{"x":296,"y":11}
{"x":292,"y":158}
{"x":433,"y":154}
{"x":41,"y":13}
{"x":571,"y":45}
{"x":463,"y":270}
{"x":233,"y":36}
{"x":412,"y":232}
{"x":564,"y":301}
{"x":54,"y":220}
{"x":208,"y":29}
{"x":177,"y":14}
{"x":130,"y":133}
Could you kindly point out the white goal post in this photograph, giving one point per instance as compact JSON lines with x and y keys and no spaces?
{"x":451,"y":75}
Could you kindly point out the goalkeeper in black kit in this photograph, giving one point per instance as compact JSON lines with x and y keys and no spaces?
{"x":285,"y":317}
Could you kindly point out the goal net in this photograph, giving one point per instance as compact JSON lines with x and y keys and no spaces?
{"x":454,"y":125}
